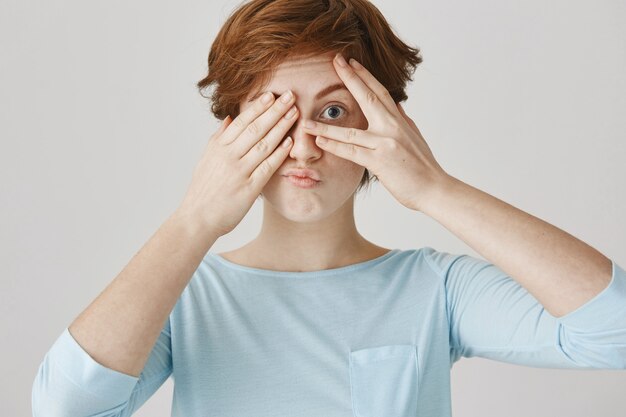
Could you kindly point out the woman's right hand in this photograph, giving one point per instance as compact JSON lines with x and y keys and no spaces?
{"x":238,"y":161}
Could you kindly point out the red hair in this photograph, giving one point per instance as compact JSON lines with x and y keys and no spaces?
{"x":260,"y":34}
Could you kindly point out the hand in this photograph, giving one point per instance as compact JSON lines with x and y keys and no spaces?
{"x":240,"y":158}
{"x":392,"y":148}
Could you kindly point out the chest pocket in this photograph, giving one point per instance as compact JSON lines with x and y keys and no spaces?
{"x":384,"y":381}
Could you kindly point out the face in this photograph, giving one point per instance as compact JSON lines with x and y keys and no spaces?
{"x":307,"y":77}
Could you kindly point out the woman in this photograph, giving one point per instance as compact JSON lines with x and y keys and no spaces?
{"x":310,"y":318}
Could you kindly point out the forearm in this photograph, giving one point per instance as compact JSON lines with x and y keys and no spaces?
{"x":559,"y":270}
{"x":120,"y":327}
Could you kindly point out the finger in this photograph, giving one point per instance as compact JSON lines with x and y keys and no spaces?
{"x":351,"y":135}
{"x":369,"y":102}
{"x":355,"y":153}
{"x":241,"y":122}
{"x":262,"y":174}
{"x":255,"y":155}
{"x":257,"y":130}
{"x":381,"y":92}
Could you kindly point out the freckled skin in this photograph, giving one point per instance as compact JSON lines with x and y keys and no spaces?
{"x":298,"y":222}
{"x":340,"y":177}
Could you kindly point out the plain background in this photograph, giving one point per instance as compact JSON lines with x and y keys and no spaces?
{"x":101,"y":126}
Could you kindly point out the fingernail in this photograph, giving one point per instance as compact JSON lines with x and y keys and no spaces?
{"x":290,"y":113}
{"x":309,"y":124}
{"x":340,"y":60}
{"x":287,"y":142}
{"x":355,"y":64}
{"x":266,"y":97}
{"x":286,"y":97}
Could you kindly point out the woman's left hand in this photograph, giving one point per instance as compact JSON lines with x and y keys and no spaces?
{"x":392,"y":147}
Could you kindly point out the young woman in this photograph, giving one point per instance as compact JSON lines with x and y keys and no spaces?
{"x":310,"y":318}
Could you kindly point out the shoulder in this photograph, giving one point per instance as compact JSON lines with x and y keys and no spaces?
{"x":437,"y":260}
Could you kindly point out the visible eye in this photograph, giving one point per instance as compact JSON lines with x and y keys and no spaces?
{"x":334,"y":113}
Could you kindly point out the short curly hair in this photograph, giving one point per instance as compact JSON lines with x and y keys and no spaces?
{"x":260,"y":34}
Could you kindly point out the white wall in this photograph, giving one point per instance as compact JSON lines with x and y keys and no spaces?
{"x":101,"y":125}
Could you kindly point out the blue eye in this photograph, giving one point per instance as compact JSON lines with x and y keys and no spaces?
{"x":335,"y":114}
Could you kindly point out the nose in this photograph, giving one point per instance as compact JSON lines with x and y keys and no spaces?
{"x":304,"y":146}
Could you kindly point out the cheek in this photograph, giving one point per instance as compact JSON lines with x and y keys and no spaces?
{"x":350,"y":171}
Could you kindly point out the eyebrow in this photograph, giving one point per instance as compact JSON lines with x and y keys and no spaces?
{"x":324,"y":92}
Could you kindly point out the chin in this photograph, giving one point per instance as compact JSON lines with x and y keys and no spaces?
{"x":302,"y":217}
{"x":297,"y":209}
{"x":307,"y":205}
{"x":302,"y":210}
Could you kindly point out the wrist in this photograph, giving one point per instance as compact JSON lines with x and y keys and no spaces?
{"x":194,"y":225}
{"x":433,"y":198}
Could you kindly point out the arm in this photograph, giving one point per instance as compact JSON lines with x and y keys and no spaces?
{"x":113,"y":338}
{"x":491,"y":315}
{"x":117,"y":352}
{"x":119,"y":328}
{"x":559,"y":270}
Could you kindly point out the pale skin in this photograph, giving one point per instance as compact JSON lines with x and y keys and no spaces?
{"x":300,"y":222}
{"x":242,"y":159}
{"x":559,"y":270}
{"x":119,"y":328}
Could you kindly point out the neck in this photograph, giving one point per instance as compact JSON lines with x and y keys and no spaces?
{"x":331,"y":242}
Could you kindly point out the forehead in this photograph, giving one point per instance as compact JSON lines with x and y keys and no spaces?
{"x":305,"y":76}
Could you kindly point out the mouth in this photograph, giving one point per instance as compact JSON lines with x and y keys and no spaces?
{"x":303,"y":173}
{"x":302,"y":182}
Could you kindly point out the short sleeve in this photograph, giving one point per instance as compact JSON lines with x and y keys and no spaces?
{"x":69,"y":382}
{"x":492,"y":316}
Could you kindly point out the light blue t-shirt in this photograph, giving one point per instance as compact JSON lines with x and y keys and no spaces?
{"x":372,"y":339}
